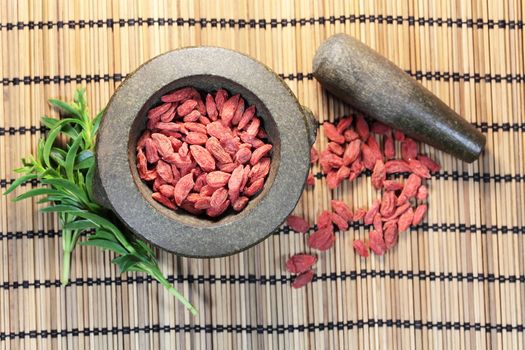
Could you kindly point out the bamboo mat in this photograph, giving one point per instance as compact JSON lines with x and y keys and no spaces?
{"x":458,"y":281}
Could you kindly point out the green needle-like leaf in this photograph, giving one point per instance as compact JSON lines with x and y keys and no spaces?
{"x":70,"y":159}
{"x":65,"y":107}
{"x":84,"y":160}
{"x":38,"y":192}
{"x":20,"y":181}
{"x":49,"y":144}
{"x":105,"y":244}
{"x":79,"y":225}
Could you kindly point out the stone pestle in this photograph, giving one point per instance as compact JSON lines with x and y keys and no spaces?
{"x":369,"y":82}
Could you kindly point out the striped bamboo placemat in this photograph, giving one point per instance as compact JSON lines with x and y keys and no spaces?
{"x":457,"y":281}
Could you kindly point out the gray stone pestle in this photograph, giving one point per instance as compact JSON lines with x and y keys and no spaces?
{"x":368,"y":81}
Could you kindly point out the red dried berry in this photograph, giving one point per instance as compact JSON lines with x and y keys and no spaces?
{"x":202,"y":157}
{"x":163,"y":200}
{"x":324,"y":219}
{"x":332,"y":180}
{"x":217,"y":179}
{"x":152,"y":154}
{"x":314,"y":155}
{"x":419,"y":213}
{"x":228,"y":109}
{"x":399,"y":136}
{"x":211,"y":108}
{"x":388,"y":204}
{"x":322,"y":239}
{"x":396,"y":166}
{"x":361,"y":248}
{"x":310,"y":180}
{"x":361,"y":127}
{"x":183,"y":188}
{"x":399,"y":211}
{"x":166,"y":190}
{"x":378,"y":174}
{"x":374,"y":209}
{"x":390,"y":234}
{"x":389,"y":147}
{"x":344,"y":124}
{"x":422,"y":193}
{"x":214,"y":212}
{"x":218,"y":197}
{"x":164,"y":171}
{"x":303,"y":279}
{"x":342,"y":173}
{"x":238,"y":112}
{"x":259,"y":153}
{"x":377,"y":243}
{"x":240,"y":203}
{"x":429,"y":163}
{"x":220,"y":97}
{"x":300,"y":263}
{"x":374,"y":147}
{"x":341,"y":223}
{"x":157,"y":112}
{"x":246,"y":118}
{"x":410,"y":190}
{"x":359,"y":214}
{"x":392,"y":185}
{"x":297,"y":223}
{"x":380,"y":128}
{"x":342,"y":209}
{"x":217,"y":151}
{"x":419,"y":168}
{"x":352,"y":151}
{"x":350,"y":135}
{"x":254,"y":188}
{"x":178,"y":95}
{"x":336,"y":148}
{"x":243,"y":155}
{"x":332,"y":133}
{"x":369,"y":158}
{"x":196,"y":138}
{"x":408,"y":149}
{"x":186,"y":107}
{"x":405,"y":220}
{"x":378,"y":223}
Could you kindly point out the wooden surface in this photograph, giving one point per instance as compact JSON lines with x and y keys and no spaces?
{"x":455,"y":282}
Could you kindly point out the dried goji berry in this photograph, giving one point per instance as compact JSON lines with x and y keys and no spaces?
{"x":361,"y":248}
{"x":300,"y":263}
{"x":297,"y":223}
{"x":322,"y":239}
{"x":419,"y":213}
{"x":332,"y":133}
{"x":303,"y":279}
{"x":342,"y":209}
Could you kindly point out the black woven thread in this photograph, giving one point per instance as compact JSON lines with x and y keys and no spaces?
{"x":268,"y":329}
{"x":285,"y":230}
{"x":265,"y":23}
{"x":271,"y":279}
{"x":418,"y":75}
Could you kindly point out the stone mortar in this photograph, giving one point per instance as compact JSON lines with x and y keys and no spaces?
{"x":291,"y":129}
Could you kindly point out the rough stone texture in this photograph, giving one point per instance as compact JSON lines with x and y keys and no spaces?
{"x":368,"y":81}
{"x":207,"y":68}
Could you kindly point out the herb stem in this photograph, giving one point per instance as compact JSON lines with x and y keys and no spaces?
{"x":66,"y":264}
{"x":154,"y":271}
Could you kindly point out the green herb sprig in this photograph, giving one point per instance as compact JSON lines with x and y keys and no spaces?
{"x":68,"y":172}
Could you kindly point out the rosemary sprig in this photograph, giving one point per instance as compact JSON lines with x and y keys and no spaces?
{"x":67,"y":172}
